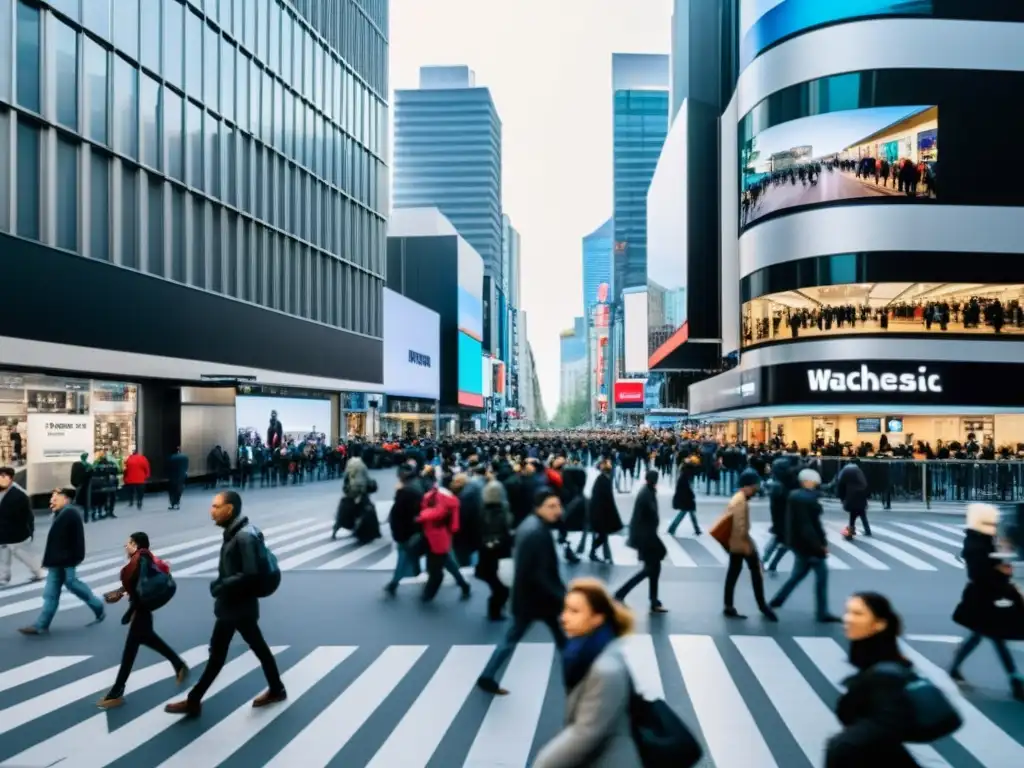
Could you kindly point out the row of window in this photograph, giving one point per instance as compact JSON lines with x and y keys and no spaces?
{"x":86,"y":200}
{"x":346,"y":27}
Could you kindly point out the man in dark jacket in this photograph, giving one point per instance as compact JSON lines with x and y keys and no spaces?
{"x":65,"y":551}
{"x":644,"y":538}
{"x":177,"y":473}
{"x":235,"y":607}
{"x":852,"y":491}
{"x":537,"y":589}
{"x":17,"y":527}
{"x":784,"y":472}
{"x":404,"y":511}
{"x":806,"y":538}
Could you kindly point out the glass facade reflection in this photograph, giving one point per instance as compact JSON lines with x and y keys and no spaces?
{"x":242,"y":142}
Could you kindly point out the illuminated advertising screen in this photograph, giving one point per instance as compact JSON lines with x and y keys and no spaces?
{"x":635,"y":317}
{"x":629,"y":393}
{"x":471,"y":326}
{"x":277,"y":421}
{"x":763,"y":23}
{"x":471,"y":379}
{"x":880,"y":153}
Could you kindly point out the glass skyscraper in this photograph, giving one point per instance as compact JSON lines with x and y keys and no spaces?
{"x":640,"y":84}
{"x":597,"y":264}
{"x":447,"y":155}
{"x":233,"y":147}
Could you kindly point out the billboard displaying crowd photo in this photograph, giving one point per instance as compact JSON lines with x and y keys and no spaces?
{"x":275,"y":422}
{"x":886,"y":153}
{"x":763,"y":23}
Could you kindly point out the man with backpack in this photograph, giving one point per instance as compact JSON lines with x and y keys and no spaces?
{"x":247,"y":572}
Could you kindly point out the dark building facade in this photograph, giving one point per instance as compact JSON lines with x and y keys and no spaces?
{"x":201,"y":188}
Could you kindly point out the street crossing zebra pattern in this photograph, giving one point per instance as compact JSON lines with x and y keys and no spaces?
{"x":416,"y":706}
{"x":305,"y":545}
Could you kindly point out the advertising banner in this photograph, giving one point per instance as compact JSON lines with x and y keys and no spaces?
{"x":412,"y":348}
{"x":635,"y":317}
{"x":629,"y":393}
{"x":59,"y":437}
{"x":471,"y":291}
{"x":471,"y":382}
{"x":276,"y":421}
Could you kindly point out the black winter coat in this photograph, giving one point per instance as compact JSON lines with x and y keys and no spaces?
{"x":978,"y":610}
{"x":233,"y":590}
{"x":643,"y":527}
{"x":405,"y":510}
{"x":804,"y":532}
{"x":871,"y":711}
{"x":17,"y":523}
{"x":537,"y":588}
{"x":65,"y":541}
{"x":604,"y":513}
{"x":684,"y":499}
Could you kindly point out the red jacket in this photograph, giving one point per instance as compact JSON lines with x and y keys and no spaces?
{"x":439,"y":515}
{"x":136,"y":469}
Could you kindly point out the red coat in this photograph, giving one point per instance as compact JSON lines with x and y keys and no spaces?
{"x":136,"y":469}
{"x":439,"y":516}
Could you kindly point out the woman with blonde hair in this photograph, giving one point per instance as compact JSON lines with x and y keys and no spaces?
{"x":597,"y":732}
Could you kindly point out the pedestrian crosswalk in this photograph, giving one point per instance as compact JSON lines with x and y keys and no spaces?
{"x":751,"y":700}
{"x":305,"y":545}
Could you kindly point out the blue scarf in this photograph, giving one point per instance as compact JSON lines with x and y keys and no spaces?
{"x":580,"y":652}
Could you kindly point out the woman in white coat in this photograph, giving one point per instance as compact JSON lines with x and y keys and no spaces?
{"x":597,"y":732}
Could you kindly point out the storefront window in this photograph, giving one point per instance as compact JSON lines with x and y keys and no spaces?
{"x":48,"y":422}
{"x":355,"y":424}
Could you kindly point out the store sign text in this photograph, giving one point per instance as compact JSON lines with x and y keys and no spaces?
{"x":865,"y":380}
{"x":418,"y":358}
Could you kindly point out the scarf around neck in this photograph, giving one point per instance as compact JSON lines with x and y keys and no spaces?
{"x":581,"y":652}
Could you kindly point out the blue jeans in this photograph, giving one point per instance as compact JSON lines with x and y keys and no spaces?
{"x":56,"y":578}
{"x":804,"y":565}
{"x":682,"y":515}
{"x":405,"y":565}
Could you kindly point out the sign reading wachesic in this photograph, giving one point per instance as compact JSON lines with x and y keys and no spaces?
{"x":866,"y":380}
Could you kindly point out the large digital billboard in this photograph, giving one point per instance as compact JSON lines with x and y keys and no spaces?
{"x":412,"y":348}
{"x":763,"y":23}
{"x":635,"y":331}
{"x":471,"y":326}
{"x":471,"y":379}
{"x":884,"y":153}
{"x":277,"y":421}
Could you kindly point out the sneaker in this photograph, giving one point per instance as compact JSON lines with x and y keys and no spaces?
{"x":34,"y":631}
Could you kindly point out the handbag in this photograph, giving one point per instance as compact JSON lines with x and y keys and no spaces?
{"x":932,"y":716}
{"x":721,"y":531}
{"x":660,"y":735}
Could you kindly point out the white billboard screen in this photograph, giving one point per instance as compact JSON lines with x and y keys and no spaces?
{"x":412,"y":348}
{"x":635,"y":331}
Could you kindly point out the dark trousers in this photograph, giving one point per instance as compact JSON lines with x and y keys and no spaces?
{"x":223,"y":631}
{"x":140,"y":632}
{"x":862,"y":515}
{"x":135,"y":493}
{"x":968,"y":646}
{"x":516,"y":632}
{"x":487,"y":572}
{"x":805,"y":565}
{"x":732,"y":575}
{"x":174,"y":491}
{"x":436,"y":567}
{"x":652,"y":572}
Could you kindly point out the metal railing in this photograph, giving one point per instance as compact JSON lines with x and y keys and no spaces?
{"x":911,"y":481}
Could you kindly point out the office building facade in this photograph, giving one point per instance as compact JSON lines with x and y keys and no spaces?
{"x":511,"y":281}
{"x":572,"y":362}
{"x":447,"y":155}
{"x":597,"y":264}
{"x":860,"y":297}
{"x":206,"y":183}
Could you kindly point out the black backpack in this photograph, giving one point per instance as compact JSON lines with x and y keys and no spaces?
{"x":661,"y":737}
{"x":268,"y":577}
{"x":154,"y":589}
{"x":932,"y":715}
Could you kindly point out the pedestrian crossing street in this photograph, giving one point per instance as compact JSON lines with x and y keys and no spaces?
{"x":752,"y":700}
{"x":305,"y":545}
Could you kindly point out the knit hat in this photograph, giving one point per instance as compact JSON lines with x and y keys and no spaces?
{"x":808,"y":476}
{"x":748,"y":478}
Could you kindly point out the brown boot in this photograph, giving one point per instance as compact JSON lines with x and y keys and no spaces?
{"x":110,"y":702}
{"x":185,"y":708}
{"x":269,"y":697}
{"x":32,"y":631}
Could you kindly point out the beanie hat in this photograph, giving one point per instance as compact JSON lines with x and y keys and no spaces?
{"x":748,"y":478}
{"x":809,"y":476}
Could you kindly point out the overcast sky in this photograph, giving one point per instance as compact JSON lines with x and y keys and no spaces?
{"x":548,"y":65}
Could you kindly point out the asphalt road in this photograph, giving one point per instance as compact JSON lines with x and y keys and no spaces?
{"x":389,"y":682}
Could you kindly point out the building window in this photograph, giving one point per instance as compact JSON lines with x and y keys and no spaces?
{"x":228,"y":141}
{"x":216,"y":262}
{"x":96,"y":17}
{"x":155,"y":223}
{"x":242,"y":89}
{"x":65,"y":41}
{"x":96,"y":65}
{"x":28,"y":57}
{"x":178,"y":267}
{"x":151,"y":38}
{"x":275,"y":36}
{"x":231,"y":257}
{"x":67,"y":194}
{"x":126,"y":107}
{"x":198,"y":251}
{"x":28,"y":180}
{"x":173,"y":118}
{"x":129,"y":217}
{"x":99,"y":206}
{"x":194,"y":55}
{"x":151,"y":122}
{"x":68,"y":7}
{"x":126,"y":26}
{"x":174,"y":49}
{"x":195,"y":146}
{"x":211,"y":57}
{"x":227,"y":80}
{"x":211,"y":128}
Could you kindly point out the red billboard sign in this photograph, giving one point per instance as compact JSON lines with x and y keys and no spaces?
{"x":629,"y":392}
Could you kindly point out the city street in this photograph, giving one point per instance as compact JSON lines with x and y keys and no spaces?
{"x":830,"y":187}
{"x":389,"y":682}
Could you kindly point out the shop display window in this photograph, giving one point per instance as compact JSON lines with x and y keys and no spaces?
{"x":47,"y":422}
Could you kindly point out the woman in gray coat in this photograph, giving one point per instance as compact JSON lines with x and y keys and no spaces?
{"x":597,"y":732}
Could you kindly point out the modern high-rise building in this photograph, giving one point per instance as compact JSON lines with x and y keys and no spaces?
{"x":512,"y":279}
{"x":572,"y":362}
{"x":640,"y":106}
{"x":447,"y":155}
{"x":204,"y":187}
{"x":597,"y":264}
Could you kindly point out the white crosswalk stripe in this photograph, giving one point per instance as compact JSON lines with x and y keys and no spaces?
{"x":401,"y":703}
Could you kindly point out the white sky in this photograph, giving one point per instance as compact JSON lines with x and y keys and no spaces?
{"x":548,"y":65}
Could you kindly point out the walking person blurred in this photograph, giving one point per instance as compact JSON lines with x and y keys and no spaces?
{"x":991,"y":605}
{"x":139,"y":619}
{"x":136,"y":474}
{"x":495,"y":545}
{"x":852,"y":491}
{"x":538,"y":593}
{"x":603,"y":513}
{"x":439,"y":518}
{"x":742,"y":549}
{"x":405,"y":531}
{"x":17,"y":528}
{"x":65,"y":551}
{"x":598,"y":684}
{"x":644,"y":538}
{"x":684,"y":501}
